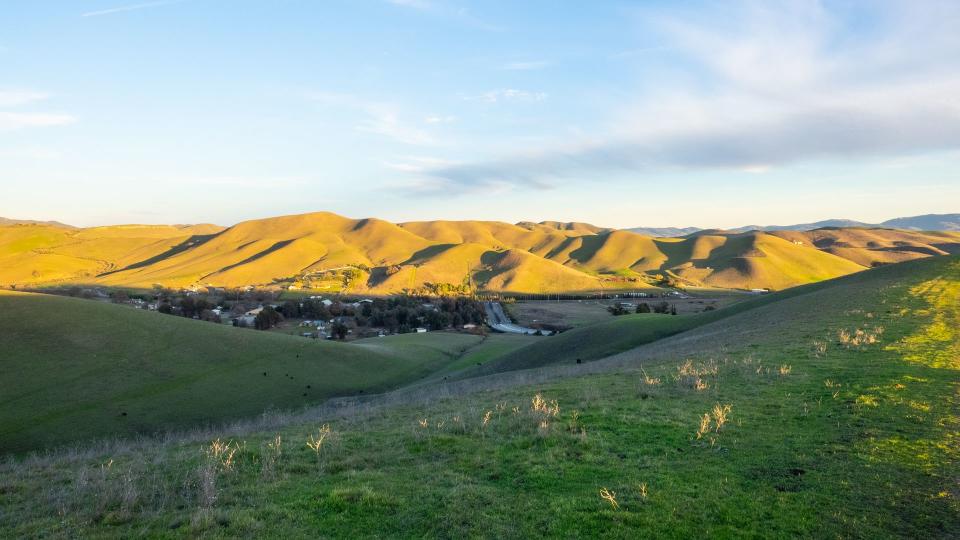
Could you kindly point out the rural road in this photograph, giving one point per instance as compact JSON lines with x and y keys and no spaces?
{"x":499,"y":321}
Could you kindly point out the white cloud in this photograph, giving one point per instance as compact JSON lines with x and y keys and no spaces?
{"x":439,"y":119}
{"x":14,"y":120}
{"x":388,"y":124}
{"x":31,"y":153}
{"x":418,"y":164}
{"x":774,"y":85}
{"x":14,"y":98}
{"x":130,"y":7}
{"x":379,"y":118}
{"x":525,"y":66}
{"x":507,"y":94}
{"x":10,"y":121}
{"x":415,"y":4}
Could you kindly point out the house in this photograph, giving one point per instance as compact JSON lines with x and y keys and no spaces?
{"x":327,"y":302}
{"x":469,"y":326}
{"x":253,"y":312}
{"x":421,"y":330}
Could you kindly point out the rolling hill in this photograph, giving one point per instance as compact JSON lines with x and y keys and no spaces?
{"x":825,"y":411}
{"x":78,"y":369}
{"x":306,"y":251}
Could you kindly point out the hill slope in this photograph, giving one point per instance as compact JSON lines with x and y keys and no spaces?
{"x":75,"y":369}
{"x":779,"y":421}
{"x":383,"y":258}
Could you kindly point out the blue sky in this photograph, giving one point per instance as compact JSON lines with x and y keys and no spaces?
{"x":616,"y":113}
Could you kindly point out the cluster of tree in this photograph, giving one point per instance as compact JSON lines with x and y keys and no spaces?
{"x":267,"y":318}
{"x":398,"y":314}
{"x":643,"y":307}
{"x":190,"y":307}
{"x":446,"y":289}
{"x":616,"y":310}
{"x":662,"y":307}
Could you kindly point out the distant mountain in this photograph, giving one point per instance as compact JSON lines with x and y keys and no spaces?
{"x":928,"y":222}
{"x":805,"y":226}
{"x":330,"y":254}
{"x":8,"y":221}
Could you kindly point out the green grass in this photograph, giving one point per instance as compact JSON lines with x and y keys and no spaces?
{"x":619,"y":334}
{"x":73,"y":367}
{"x":448,"y":345}
{"x":849,"y":441}
{"x":492,"y":346}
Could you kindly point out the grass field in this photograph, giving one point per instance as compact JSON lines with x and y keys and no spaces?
{"x":831,"y":412}
{"x":76,"y":369}
{"x":583,"y":312}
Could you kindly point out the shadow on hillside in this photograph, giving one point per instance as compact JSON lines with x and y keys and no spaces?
{"x":194,"y":241}
{"x":428,"y":252}
{"x":277,"y":245}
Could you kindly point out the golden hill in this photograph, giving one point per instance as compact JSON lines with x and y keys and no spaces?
{"x":379,"y":257}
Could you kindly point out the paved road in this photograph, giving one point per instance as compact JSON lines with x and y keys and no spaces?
{"x":499,"y":321}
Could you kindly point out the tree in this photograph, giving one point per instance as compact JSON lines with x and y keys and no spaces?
{"x":165,"y":308}
{"x":617,"y":310}
{"x":643,"y":307}
{"x":662,"y":307}
{"x":339,"y":330}
{"x":267,"y":318}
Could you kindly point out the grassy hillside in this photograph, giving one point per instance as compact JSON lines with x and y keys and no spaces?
{"x":388,"y":258}
{"x":76,"y":369}
{"x":626,"y":332}
{"x":831,"y":412}
{"x":43,"y":253}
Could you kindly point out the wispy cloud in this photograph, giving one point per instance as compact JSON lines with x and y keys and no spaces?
{"x":525,"y":66}
{"x":25,"y":119}
{"x":633,"y":53}
{"x":440,"y":119}
{"x":14,"y":98}
{"x":378,"y":118}
{"x":415,"y":4}
{"x":447,"y":11}
{"x":507,"y":94}
{"x":16,"y":120}
{"x":783,"y":87}
{"x":130,"y":7}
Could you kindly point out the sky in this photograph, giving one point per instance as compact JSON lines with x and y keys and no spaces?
{"x":621,"y":114}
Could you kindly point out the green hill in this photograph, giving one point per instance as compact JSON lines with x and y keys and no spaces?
{"x":77,"y":369}
{"x":830,"y":411}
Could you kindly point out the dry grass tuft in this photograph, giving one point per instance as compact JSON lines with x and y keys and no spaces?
{"x":610,"y":497}
{"x":859,"y":337}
